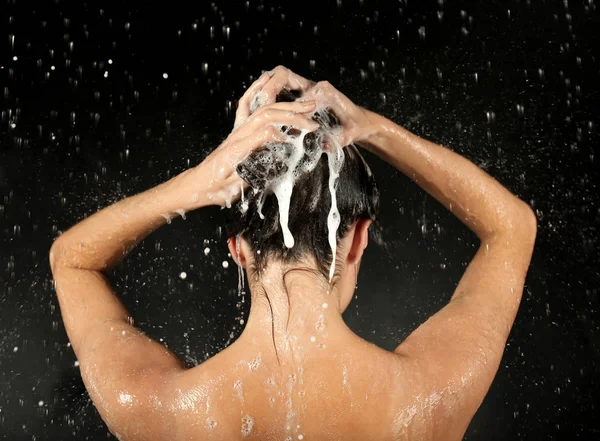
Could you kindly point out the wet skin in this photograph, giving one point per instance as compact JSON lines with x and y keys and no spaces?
{"x":297,"y":371}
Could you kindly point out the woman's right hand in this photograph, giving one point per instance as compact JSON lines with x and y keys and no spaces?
{"x":264,"y":91}
{"x":355,"y":121}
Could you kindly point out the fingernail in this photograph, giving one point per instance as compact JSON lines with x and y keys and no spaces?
{"x":308,"y":103}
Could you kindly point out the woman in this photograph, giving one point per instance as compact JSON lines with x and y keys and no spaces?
{"x":297,"y":371}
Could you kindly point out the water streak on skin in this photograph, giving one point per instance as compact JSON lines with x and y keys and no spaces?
{"x":125,"y":399}
{"x":345,"y":379}
{"x":247,"y":425}
{"x":238,"y":387}
{"x":211,"y":424}
{"x":425,"y":408}
{"x":255,"y":364}
{"x":195,"y":398}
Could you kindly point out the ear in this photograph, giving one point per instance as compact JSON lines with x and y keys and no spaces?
{"x":360,"y":240}
{"x":232,"y":244}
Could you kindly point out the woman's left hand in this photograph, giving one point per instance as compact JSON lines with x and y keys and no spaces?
{"x":216,"y":176}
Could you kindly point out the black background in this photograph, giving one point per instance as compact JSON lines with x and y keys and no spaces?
{"x":512,"y":85}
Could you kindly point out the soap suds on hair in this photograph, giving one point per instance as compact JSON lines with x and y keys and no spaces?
{"x":278,"y":166}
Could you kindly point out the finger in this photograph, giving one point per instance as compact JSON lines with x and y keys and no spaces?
{"x":270,"y":133}
{"x":297,"y":82}
{"x":321,"y":91}
{"x":293,"y":80}
{"x":269,"y":92}
{"x":274,"y":116}
{"x":328,"y":99}
{"x":253,"y":134}
{"x":243,"y":110}
{"x":295,"y":106}
{"x":240,"y":148}
{"x":255,"y":87}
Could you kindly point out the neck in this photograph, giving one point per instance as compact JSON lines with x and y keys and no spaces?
{"x":292,"y":309}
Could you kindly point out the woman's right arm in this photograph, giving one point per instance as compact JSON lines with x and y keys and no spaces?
{"x":478,"y":200}
{"x":457,"y":352}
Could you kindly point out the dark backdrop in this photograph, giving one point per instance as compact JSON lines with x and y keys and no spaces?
{"x":106,"y":99}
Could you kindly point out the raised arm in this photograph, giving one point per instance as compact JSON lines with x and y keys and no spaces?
{"x":124,"y":371}
{"x":477,"y":199}
{"x":488,"y":295}
{"x":460,"y":348}
{"x":456,"y":353}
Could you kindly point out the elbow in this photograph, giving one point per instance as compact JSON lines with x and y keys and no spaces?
{"x":517,"y":224}
{"x":56,"y":254}
{"x":523,"y":226}
{"x":527,"y":221}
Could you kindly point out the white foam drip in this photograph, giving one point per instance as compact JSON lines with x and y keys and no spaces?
{"x":238,"y":249}
{"x":283,"y":186}
{"x":260,"y":205}
{"x":244,"y":206}
{"x":335,"y":160}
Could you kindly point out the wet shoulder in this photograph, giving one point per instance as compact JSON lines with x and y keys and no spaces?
{"x":343,"y":391}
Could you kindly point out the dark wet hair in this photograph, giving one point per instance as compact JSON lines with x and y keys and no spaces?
{"x":357,"y":197}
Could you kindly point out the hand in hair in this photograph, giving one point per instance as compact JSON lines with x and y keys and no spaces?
{"x":224,"y":185}
{"x":264,"y":91}
{"x":353,"y":119}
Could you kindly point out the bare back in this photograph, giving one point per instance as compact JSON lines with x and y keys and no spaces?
{"x":347,"y":389}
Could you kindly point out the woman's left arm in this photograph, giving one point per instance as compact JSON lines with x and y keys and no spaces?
{"x":120,"y":366}
{"x":124,"y":371}
{"x":101,"y":241}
